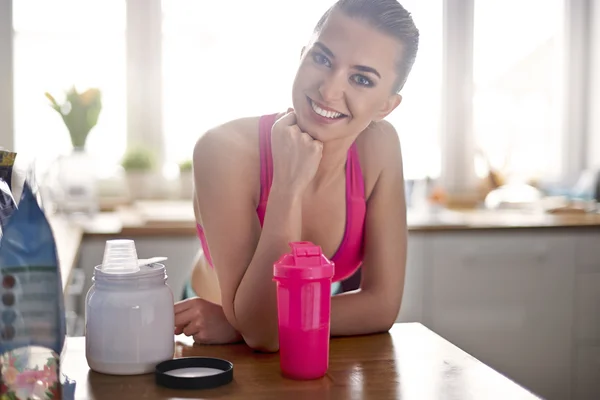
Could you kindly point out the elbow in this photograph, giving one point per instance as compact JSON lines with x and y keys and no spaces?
{"x":259,"y":336}
{"x":387,"y":318}
{"x":382,"y":323}
{"x":386,"y":324}
{"x":263,"y":346}
{"x":387,"y":313}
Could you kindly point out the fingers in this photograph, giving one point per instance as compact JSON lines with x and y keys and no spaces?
{"x":317,"y":146}
{"x":290,"y":123}
{"x":288,"y":119}
{"x":183,"y":305}
{"x":283,"y":114}
{"x":295,"y":131}
{"x":308,"y":140}
{"x":186,"y":312}
{"x":183,"y":318}
{"x":193,"y":328}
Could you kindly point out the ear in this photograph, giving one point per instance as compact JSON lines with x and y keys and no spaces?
{"x":390,"y":105}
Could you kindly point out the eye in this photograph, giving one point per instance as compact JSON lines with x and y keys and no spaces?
{"x":362,"y":80}
{"x":321,"y":59}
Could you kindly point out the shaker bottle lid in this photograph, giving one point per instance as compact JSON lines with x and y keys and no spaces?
{"x":306,"y":261}
{"x":194,"y":373}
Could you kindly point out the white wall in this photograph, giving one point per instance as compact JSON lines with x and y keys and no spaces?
{"x":593,"y":147}
{"x":6,"y":76}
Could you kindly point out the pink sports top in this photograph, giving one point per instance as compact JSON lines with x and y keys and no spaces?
{"x":349,"y":255}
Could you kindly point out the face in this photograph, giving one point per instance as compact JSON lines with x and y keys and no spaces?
{"x":345,"y":79}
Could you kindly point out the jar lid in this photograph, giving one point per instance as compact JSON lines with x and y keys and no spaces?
{"x":194,"y":373}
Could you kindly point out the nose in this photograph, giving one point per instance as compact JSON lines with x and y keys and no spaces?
{"x":332,"y":87}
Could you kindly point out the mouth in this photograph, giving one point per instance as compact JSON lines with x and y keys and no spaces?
{"x":327,"y":113}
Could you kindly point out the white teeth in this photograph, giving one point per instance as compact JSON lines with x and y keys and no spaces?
{"x":324,"y":113}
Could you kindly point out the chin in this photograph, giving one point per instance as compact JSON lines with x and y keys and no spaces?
{"x":318,"y":126}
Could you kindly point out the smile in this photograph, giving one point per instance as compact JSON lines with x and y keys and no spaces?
{"x":333,"y":115}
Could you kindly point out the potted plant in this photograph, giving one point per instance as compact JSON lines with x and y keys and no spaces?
{"x":76,"y":189}
{"x":139,"y":164}
{"x":186,"y":179}
{"x":79,"y":112}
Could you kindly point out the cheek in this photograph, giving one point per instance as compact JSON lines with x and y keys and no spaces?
{"x":308,"y":76}
{"x":362,"y":106}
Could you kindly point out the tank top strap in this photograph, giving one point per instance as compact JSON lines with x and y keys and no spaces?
{"x":266,"y":158}
{"x":354,"y":175}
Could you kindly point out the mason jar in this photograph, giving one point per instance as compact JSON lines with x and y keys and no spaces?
{"x":129,"y":321}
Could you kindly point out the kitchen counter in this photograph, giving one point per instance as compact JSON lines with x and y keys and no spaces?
{"x":462,"y":268}
{"x":409,"y":362}
{"x":176,"y":219}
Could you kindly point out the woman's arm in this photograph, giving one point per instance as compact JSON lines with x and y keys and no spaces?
{"x":375,"y":306}
{"x":243,"y":255}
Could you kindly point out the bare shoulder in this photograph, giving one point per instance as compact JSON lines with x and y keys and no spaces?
{"x":233,"y":140}
{"x":379,"y":150}
{"x":228,"y":154}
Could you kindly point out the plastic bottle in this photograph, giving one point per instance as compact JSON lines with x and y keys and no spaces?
{"x":304,"y":308}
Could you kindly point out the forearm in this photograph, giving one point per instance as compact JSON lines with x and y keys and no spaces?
{"x":360,"y":312}
{"x":255,"y":302}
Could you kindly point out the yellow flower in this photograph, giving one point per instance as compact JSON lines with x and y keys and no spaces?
{"x":89,"y":96}
{"x":10,"y":376}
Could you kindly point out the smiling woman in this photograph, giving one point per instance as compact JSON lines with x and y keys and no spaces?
{"x":328,"y":171}
{"x":213,"y":74}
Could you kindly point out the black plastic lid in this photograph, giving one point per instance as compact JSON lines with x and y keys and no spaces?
{"x":193,"y":378}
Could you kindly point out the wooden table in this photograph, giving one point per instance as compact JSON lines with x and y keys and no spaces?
{"x":410,"y":363}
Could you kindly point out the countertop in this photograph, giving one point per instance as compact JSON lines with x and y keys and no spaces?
{"x":176,"y":218}
{"x":410,"y":362}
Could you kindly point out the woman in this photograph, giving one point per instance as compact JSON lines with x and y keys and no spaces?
{"x":328,"y":171}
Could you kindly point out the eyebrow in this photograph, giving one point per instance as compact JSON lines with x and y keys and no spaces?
{"x":362,"y":68}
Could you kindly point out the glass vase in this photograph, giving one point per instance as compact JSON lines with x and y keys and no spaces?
{"x":74,"y":184}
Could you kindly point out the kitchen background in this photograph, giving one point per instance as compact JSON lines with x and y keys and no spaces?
{"x":499,"y":127}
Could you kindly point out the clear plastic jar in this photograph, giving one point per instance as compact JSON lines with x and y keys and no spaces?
{"x":129,"y":321}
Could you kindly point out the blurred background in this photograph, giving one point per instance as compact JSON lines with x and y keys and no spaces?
{"x":499,"y":128}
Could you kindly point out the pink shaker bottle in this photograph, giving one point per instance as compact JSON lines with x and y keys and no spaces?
{"x":304,"y":308}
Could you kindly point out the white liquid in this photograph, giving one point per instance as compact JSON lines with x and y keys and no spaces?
{"x":193,"y":372}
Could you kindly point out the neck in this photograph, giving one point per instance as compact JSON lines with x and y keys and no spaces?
{"x":333,"y":162}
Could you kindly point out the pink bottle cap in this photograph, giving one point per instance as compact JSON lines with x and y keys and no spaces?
{"x":306,"y":261}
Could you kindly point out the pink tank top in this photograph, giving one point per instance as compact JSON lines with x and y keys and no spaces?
{"x":349,"y":255}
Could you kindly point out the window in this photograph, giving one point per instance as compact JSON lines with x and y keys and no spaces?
{"x":219,"y":65}
{"x":529,"y":97}
{"x":417,"y":119}
{"x":518,"y":74}
{"x":57,"y":45}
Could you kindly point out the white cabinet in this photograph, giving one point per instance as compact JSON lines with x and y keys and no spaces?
{"x":506,"y":297}
{"x":587,"y":316}
{"x":587,"y":377}
{"x":587,"y":309}
{"x":413,"y":300}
